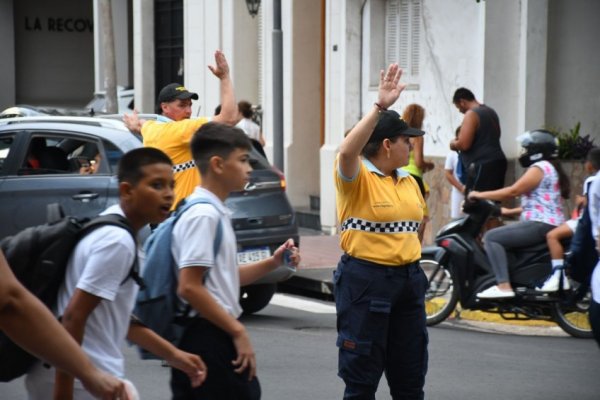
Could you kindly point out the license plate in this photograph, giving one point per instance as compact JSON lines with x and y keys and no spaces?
{"x":253,"y":255}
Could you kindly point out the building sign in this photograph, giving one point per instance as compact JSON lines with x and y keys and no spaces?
{"x":51,"y":24}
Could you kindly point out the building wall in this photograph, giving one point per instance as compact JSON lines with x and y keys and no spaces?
{"x":122,"y":41}
{"x":302,"y":146}
{"x":342,"y":89}
{"x":54,"y":57}
{"x":244,"y":54}
{"x":7,"y":67}
{"x":573,"y":93}
{"x":502,"y":68}
{"x":204,"y":24}
{"x":452,"y":40}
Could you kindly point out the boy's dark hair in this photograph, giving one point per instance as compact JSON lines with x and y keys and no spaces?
{"x":463,"y":94}
{"x":593,"y":156}
{"x":215,"y":139}
{"x":245,"y":109}
{"x":130,"y":165}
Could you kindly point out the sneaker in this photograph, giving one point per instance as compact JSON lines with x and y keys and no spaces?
{"x":551,"y":284}
{"x":495,"y":293}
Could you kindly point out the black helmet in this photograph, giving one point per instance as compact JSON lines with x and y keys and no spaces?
{"x":539,"y":145}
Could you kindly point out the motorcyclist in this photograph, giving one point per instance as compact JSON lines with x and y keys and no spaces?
{"x":540,"y":187}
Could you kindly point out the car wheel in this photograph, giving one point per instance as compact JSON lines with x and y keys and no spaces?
{"x":256,"y":297}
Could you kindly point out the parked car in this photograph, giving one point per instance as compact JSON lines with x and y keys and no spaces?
{"x":40,"y":163}
{"x":125,"y":97}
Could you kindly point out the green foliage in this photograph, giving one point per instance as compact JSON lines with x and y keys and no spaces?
{"x":571,"y":145}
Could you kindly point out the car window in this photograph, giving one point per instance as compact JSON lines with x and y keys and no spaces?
{"x":257,"y":161}
{"x":56,"y":154}
{"x":5,"y":146}
{"x":113,"y":155}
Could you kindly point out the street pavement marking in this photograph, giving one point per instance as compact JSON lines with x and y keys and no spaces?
{"x":302,"y":304}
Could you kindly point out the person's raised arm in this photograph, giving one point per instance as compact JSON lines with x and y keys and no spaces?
{"x":229,"y":108}
{"x":25,"y":320}
{"x":466,"y":135}
{"x":350,"y":148}
{"x":526,"y":183}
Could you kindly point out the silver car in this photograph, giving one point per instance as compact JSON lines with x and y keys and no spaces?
{"x":73,"y":161}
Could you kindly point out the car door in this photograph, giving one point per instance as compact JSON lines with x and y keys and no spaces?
{"x":28,"y":182}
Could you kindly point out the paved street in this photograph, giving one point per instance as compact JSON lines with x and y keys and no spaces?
{"x":294,"y":338}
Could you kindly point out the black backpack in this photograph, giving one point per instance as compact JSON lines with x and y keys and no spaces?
{"x":38,"y":257}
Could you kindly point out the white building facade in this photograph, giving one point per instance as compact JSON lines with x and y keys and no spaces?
{"x":533,"y":61}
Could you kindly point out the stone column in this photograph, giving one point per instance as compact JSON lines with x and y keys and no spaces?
{"x":143,"y":55}
{"x":342,"y":88}
{"x":532,"y":62}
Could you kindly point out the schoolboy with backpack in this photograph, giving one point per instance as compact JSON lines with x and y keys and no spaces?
{"x":97,"y":297}
{"x":38,"y":258}
{"x":24,"y":318}
{"x":208,"y":280}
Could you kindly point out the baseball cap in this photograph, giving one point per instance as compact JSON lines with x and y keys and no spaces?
{"x":175,"y":91}
{"x":391,"y":125}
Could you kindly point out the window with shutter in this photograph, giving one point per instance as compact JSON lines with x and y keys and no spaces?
{"x":403,"y":37}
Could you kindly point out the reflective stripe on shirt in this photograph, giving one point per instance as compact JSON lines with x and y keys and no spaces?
{"x":364,"y":225}
{"x":183,"y":166}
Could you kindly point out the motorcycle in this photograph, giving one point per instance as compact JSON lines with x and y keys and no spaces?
{"x":457,"y":269}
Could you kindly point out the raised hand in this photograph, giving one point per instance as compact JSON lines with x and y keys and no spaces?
{"x":133,"y":122}
{"x":390,"y":86}
{"x":221,"y":67}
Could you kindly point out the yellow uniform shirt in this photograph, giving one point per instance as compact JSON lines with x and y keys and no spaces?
{"x":173,"y":138}
{"x":379,"y":218}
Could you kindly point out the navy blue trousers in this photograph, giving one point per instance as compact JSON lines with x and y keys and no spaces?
{"x":217,"y":350}
{"x":381,"y":328}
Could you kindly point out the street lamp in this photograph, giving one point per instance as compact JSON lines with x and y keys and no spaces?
{"x":253,"y":6}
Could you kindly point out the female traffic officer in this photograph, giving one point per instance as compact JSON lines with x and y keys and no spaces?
{"x":379,"y":286}
{"x":541,"y":187}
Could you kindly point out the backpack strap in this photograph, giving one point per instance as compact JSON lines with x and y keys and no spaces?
{"x":183,"y":206}
{"x":187,"y":204}
{"x":121,"y":222}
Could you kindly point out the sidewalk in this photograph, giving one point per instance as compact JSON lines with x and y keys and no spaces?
{"x":320,"y":255}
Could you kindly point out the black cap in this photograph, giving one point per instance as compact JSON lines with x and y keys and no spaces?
{"x":391,"y":125}
{"x":175,"y":91}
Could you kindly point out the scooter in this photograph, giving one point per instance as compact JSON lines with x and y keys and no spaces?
{"x":458,"y":268}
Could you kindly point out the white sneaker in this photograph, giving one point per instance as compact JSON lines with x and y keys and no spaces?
{"x":551,"y":284}
{"x":495,"y":293}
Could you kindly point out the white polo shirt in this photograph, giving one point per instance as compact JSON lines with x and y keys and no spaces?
{"x":192,"y":246}
{"x":594,"y":209}
{"x":99,"y":265}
